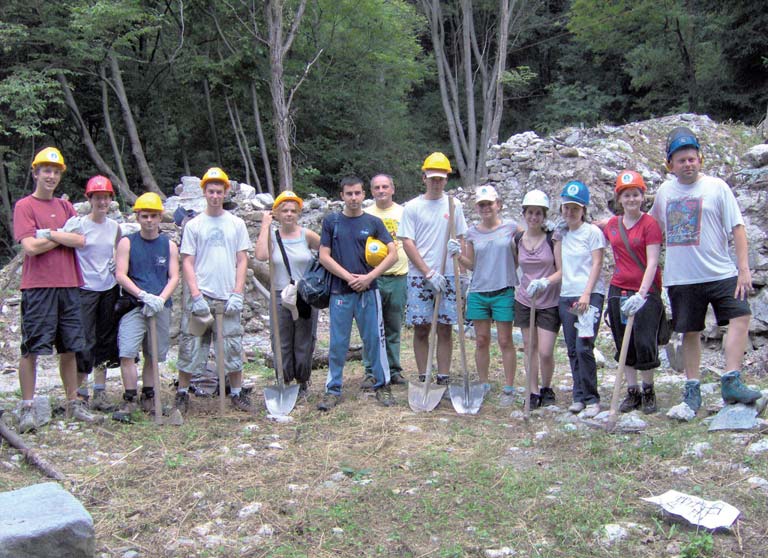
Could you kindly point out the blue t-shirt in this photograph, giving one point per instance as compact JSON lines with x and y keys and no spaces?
{"x":348,"y":244}
{"x":148,"y":263}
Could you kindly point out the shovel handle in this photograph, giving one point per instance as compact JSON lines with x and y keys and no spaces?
{"x":274,"y":319}
{"x":622,"y":365}
{"x":218,"y":311}
{"x":155,"y":368}
{"x":529,"y":365}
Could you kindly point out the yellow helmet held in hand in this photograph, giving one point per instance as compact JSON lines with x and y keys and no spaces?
{"x":375,"y":251}
{"x":214,"y":174}
{"x":436,"y":164}
{"x":49,"y":156}
{"x":148,"y":202}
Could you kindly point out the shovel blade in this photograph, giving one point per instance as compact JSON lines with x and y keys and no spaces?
{"x":281,"y":400}
{"x":423,"y":399}
{"x":467,"y":402}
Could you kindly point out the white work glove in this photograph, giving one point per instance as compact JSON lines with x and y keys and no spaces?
{"x":234,"y":304}
{"x":454,"y":247}
{"x":73,"y":225}
{"x":633,"y":304}
{"x":112,"y":266}
{"x":153,"y":304}
{"x":43,"y":233}
{"x":288,"y":298}
{"x":437,"y":282}
{"x":537,"y":286}
{"x":200,"y":306}
{"x":548,"y":226}
{"x":585,"y":327}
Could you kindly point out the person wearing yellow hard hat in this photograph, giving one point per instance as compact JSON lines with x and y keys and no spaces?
{"x":392,"y":283}
{"x":50,"y":281}
{"x":296,"y":319}
{"x":354,"y":290}
{"x":423,"y":231}
{"x":147,"y":269}
{"x":214,"y":252}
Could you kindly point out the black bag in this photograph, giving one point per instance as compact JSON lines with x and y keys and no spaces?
{"x":315,"y":287}
{"x":124,"y":304}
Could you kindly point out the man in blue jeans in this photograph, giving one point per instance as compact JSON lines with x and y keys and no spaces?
{"x":354,"y":293}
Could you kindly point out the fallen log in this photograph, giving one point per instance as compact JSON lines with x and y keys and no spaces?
{"x":29,"y":455}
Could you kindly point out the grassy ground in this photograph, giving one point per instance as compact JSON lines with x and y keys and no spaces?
{"x":363,"y":480}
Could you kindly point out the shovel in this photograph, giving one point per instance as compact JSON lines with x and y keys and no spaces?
{"x":175,"y":419}
{"x":279,"y":399}
{"x":218,"y":312}
{"x":468,"y":397}
{"x":424,"y":396}
{"x":528,"y":366}
{"x":613,"y":416}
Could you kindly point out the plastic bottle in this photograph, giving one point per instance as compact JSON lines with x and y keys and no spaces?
{"x":622,"y":300}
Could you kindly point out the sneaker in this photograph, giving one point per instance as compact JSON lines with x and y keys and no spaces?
{"x":241,"y":402}
{"x":368,"y":383}
{"x":576,"y":407}
{"x":507,"y":399}
{"x":692,"y":394}
{"x":397,"y":379}
{"x":77,"y":409}
{"x":328,"y":402}
{"x":147,"y":403}
{"x":181,"y":402}
{"x":591,"y":410}
{"x":126,"y":409}
{"x":26,"y":419}
{"x":547,"y":396}
{"x":384,"y":396}
{"x":443,"y":379}
{"x":100,"y":402}
{"x":632,"y":401}
{"x":535,"y":401}
{"x":648,"y":399}
{"x":734,"y":391}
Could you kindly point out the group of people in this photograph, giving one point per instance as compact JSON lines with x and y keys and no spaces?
{"x":92,"y":293}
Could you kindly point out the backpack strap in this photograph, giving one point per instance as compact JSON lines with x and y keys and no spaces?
{"x":632,"y":253}
{"x":285,"y":256}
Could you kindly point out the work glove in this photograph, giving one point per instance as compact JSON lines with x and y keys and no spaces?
{"x":73,"y":225}
{"x":288,"y":298}
{"x":537,"y":286}
{"x":153,"y":304}
{"x":585,"y":326}
{"x":454,"y":247}
{"x":437,"y":282}
{"x":633,"y":304}
{"x":200,"y":306}
{"x":112,"y":266}
{"x":234,"y":304}
{"x":548,"y":226}
{"x":43,"y":233}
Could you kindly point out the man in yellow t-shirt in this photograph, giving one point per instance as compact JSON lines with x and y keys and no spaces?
{"x":392,"y":284}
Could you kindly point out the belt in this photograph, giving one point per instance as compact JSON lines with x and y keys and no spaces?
{"x":498,"y":292}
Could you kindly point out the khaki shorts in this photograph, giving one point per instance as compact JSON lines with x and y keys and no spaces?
{"x":194,"y":351}
{"x":134,"y":334}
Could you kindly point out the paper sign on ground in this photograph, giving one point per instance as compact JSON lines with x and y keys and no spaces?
{"x":706,"y":513}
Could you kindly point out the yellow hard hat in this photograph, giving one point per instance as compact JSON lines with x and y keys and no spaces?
{"x":148,"y":202}
{"x":375,"y":251}
{"x":437,"y":164}
{"x":215,"y":174}
{"x":49,"y":156}
{"x":288,"y":196}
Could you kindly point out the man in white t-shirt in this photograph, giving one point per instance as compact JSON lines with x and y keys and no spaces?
{"x":697,"y":213}
{"x":215,"y":261}
{"x":422,"y":231}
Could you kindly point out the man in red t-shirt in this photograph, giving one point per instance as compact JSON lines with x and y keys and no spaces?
{"x":50,"y":281}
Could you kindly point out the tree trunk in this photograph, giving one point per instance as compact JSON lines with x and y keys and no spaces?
{"x":147,"y":179}
{"x":262,"y":143}
{"x":246,"y":146}
{"x":108,"y":125}
{"x":239,"y":141}
{"x":90,"y":146}
{"x":211,"y":121}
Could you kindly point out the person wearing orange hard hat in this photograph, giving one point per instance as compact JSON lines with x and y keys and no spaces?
{"x":50,"y":281}
{"x":635,"y":288}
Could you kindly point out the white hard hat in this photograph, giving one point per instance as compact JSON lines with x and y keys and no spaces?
{"x":536,"y":198}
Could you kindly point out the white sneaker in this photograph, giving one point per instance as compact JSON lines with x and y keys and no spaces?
{"x":576,"y":407}
{"x":591,"y":410}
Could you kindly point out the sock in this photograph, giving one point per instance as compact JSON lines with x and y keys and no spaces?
{"x":99,"y":387}
{"x":148,"y":392}
{"x":647,"y":386}
{"x":509,"y":389}
{"x":692,"y":382}
{"x":82,"y":391}
{"x":182,"y":390}
{"x":130,"y":394}
{"x":234,"y":392}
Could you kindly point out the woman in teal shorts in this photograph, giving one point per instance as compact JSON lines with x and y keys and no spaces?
{"x":488,"y":253}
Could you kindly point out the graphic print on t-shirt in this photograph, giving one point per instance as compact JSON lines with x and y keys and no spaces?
{"x":684,"y":222}
{"x":391,"y":225}
{"x":216,"y":237}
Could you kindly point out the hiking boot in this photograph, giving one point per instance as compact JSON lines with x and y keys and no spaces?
{"x":535,"y":401}
{"x":547,"y":396}
{"x":26,"y":419}
{"x":384,"y":396}
{"x":443,"y":379}
{"x":397,"y":379}
{"x":126,"y":409}
{"x":591,"y":410}
{"x":304,"y":389}
{"x":328,"y":402}
{"x":147,"y":403}
{"x":734,"y":391}
{"x":241,"y":402}
{"x":649,"y":399}
{"x":99,"y":402}
{"x":77,"y":409}
{"x":368,"y":383}
{"x":692,"y":394}
{"x":632,"y":401}
{"x":576,"y":407}
{"x":181,"y":402}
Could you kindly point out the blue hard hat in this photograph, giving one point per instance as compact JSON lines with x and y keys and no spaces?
{"x":679,"y":138}
{"x":575,"y":192}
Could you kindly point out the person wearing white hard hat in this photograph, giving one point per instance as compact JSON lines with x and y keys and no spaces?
{"x":297,"y":321}
{"x":539,"y":289}
{"x":491,"y":294}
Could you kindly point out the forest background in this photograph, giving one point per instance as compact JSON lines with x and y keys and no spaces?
{"x":296,"y":93}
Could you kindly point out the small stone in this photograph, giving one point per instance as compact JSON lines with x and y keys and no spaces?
{"x":681,"y":412}
{"x":569,"y":427}
{"x":130,"y":554}
{"x":411,"y":428}
{"x":338,"y":476}
{"x":337,"y":531}
{"x":757,"y":482}
{"x":251,"y":428}
{"x":282,"y":419}
{"x":250,"y":509}
{"x":202,"y":530}
{"x":734,"y":417}
{"x":698,"y":449}
{"x":499,"y":552}
{"x":631,"y":423}
{"x":275,"y":446}
{"x":758,"y":447}
{"x":610,"y":534}
{"x":266,"y":530}
{"x":680,"y":470}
